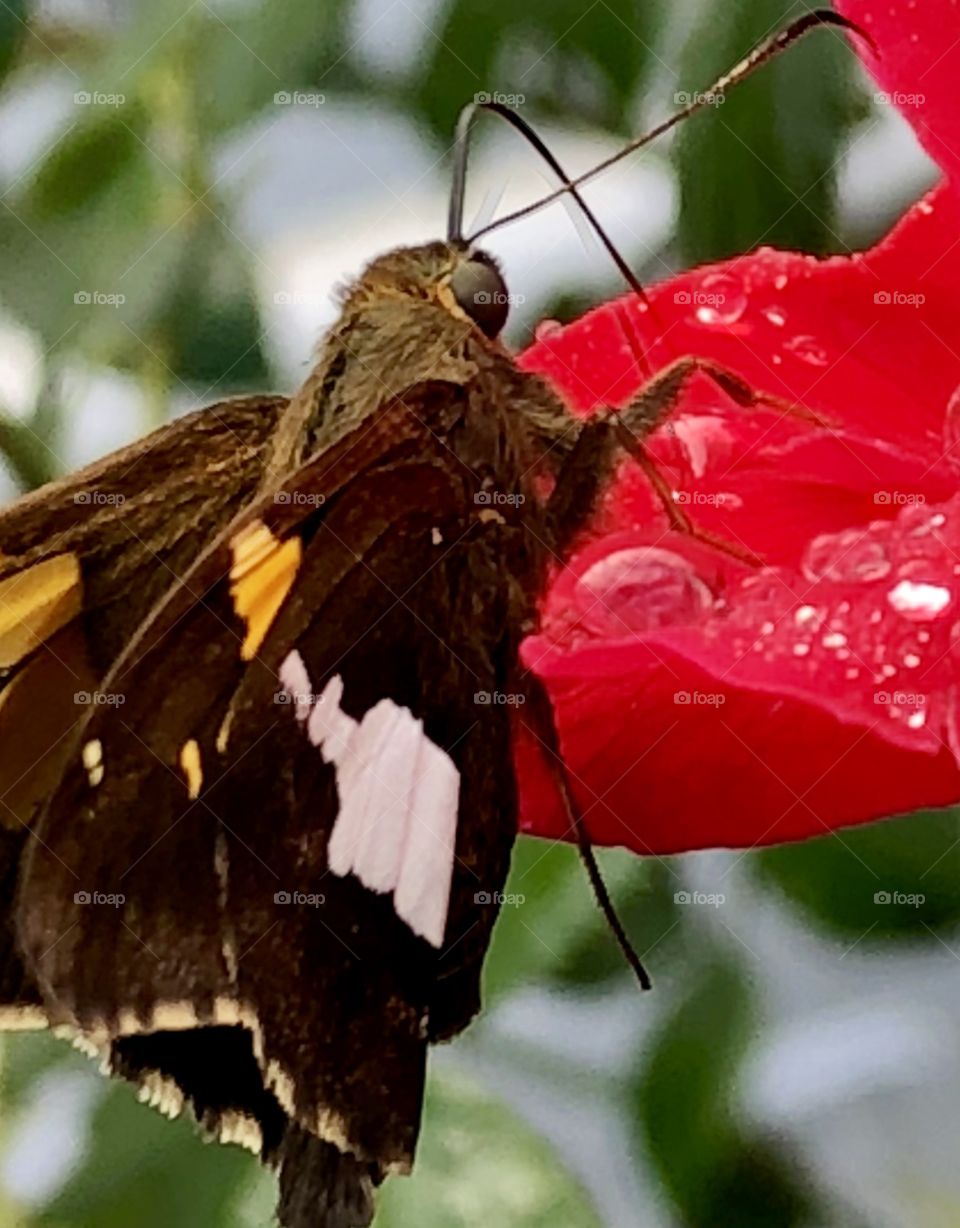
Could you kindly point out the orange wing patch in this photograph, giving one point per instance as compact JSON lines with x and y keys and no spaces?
{"x":263,"y":571}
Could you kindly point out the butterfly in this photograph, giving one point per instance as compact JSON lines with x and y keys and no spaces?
{"x":255,"y":822}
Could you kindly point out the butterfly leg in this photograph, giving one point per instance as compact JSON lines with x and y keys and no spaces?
{"x":588,"y":464}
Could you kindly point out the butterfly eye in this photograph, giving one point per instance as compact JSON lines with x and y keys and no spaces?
{"x":481,"y":292}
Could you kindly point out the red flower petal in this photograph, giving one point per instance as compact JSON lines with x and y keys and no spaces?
{"x":782,"y":707}
{"x":823,"y":692}
{"x":917,"y":67}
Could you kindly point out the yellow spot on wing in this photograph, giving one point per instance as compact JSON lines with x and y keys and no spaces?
{"x":92,"y":758}
{"x":36,"y":603}
{"x":192,"y":767}
{"x":263,"y":571}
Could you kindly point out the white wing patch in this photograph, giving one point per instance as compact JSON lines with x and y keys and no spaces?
{"x":399,"y":793}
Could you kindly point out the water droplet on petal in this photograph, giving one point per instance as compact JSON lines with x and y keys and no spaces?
{"x":635,"y":590}
{"x":780,"y":281}
{"x":547,"y":328}
{"x":916,"y":720}
{"x":721,"y":299}
{"x":852,"y":556}
{"x":801,"y":650}
{"x":807,"y":349}
{"x":919,"y":602}
{"x":775,"y":316}
{"x":807,"y":616}
{"x":951,"y":421}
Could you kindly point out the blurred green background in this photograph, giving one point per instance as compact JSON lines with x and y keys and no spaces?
{"x":181,"y":183}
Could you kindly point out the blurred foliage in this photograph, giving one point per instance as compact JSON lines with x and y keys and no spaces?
{"x":127,"y":198}
{"x":715,"y":1173}
{"x":760,"y":168}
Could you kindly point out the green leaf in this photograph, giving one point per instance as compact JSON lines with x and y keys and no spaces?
{"x":478,"y":1165}
{"x":879,"y":881}
{"x":583,"y":65}
{"x":551,"y":928}
{"x":684,"y":1115}
{"x":147,"y":1171}
{"x":761,"y":167}
{"x":13,"y":28}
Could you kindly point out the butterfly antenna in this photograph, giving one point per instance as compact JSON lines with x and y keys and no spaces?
{"x":461,"y":147}
{"x":769,"y":49}
{"x":546,"y":733}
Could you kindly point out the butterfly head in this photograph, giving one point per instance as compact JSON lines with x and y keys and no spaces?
{"x":466,"y":281}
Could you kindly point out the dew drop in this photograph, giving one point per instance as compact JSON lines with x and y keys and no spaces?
{"x":775,"y":316}
{"x":852,"y":556}
{"x":807,"y":350}
{"x":919,"y":602}
{"x":835,"y":639}
{"x":917,"y":720}
{"x":951,"y":422}
{"x":806,"y":616}
{"x":547,"y":328}
{"x":721,"y":300}
{"x":635,"y":590}
{"x":911,"y":660}
{"x":801,"y":650}
{"x":780,"y":281}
